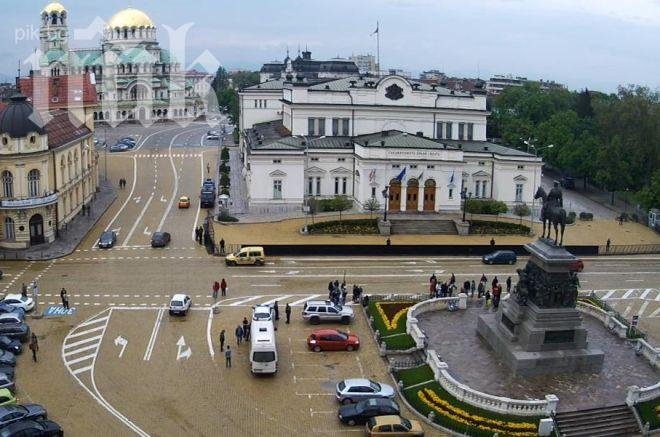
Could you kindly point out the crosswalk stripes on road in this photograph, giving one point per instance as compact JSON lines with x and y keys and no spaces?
{"x":165,"y":155}
{"x":81,"y":345}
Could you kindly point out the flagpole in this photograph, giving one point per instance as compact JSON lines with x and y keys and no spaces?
{"x":378,"y":46}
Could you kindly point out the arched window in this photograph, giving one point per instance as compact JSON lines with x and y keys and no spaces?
{"x":7,"y":184}
{"x":10,"y":232}
{"x":69,"y":163}
{"x":34,"y":178}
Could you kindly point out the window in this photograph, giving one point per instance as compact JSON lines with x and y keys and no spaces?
{"x":413,"y":166}
{"x":438,"y":130}
{"x":7,"y":184}
{"x":260,"y":103}
{"x":451,"y":193}
{"x":310,"y":186}
{"x":396,"y":166}
{"x":341,"y":159}
{"x":255,"y":103}
{"x":470,"y":132}
{"x":321,"y":126}
{"x":461,"y":131}
{"x":430,"y":167}
{"x":344,"y":183}
{"x":344,"y":127}
{"x":311,"y":123}
{"x":448,"y":131}
{"x":477,"y":189}
{"x":314,"y":159}
{"x":277,"y":161}
{"x":5,"y":141}
{"x":482,"y":163}
{"x":373,"y":191}
{"x":33,"y":139}
{"x":336,"y":185}
{"x":318,"y":186}
{"x":335,"y":127}
{"x":277,"y":189}
{"x":33,"y":183}
{"x":463,"y":184}
{"x":519,"y":192}
{"x":521,"y":167}
{"x":484,"y":190}
{"x":265,"y":104}
{"x":10,"y":232}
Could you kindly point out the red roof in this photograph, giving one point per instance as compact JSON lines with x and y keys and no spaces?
{"x":48,"y":93}
{"x":63,"y":127}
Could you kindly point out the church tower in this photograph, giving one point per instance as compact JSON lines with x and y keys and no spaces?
{"x":54,"y":40}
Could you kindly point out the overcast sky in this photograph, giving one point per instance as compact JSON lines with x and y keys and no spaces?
{"x":597,"y":44}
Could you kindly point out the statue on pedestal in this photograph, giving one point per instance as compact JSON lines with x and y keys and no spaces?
{"x":552,"y":212}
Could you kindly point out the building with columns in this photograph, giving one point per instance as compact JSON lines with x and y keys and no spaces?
{"x":360,"y":135}
{"x":135,"y":79}
{"x":48,"y":171}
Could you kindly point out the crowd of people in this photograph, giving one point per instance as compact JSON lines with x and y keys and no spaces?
{"x":491,"y":293}
{"x":337,"y":293}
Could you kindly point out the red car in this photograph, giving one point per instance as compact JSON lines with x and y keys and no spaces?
{"x":577,"y":266}
{"x":332,"y":340}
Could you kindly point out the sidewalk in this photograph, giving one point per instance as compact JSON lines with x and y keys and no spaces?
{"x":75,"y":231}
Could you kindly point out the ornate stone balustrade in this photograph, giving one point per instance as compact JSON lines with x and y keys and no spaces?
{"x":440,"y":303}
{"x":652,"y":354}
{"x":636,"y":395}
{"x":462,"y":392}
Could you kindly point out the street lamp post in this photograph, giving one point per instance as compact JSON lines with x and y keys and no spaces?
{"x":385,"y":193}
{"x":465,"y":196}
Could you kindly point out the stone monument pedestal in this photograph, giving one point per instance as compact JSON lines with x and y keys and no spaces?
{"x":538,"y":330}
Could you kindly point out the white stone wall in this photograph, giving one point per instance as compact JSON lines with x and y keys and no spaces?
{"x":268,"y":107}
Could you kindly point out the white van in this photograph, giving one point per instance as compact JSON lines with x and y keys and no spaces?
{"x":263,"y":349}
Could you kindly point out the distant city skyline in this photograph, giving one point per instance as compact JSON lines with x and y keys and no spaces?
{"x":598,"y":44}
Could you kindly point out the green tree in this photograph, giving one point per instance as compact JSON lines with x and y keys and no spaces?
{"x":224,"y":180}
{"x":224,"y":155}
{"x":649,"y":196}
{"x":221,"y":80}
{"x":521,"y":210}
{"x":372,"y":205}
{"x":613,"y":167}
{"x":243,"y":79}
{"x":583,"y":104}
{"x":341,"y":204}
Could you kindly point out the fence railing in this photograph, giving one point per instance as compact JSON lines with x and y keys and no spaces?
{"x":631,"y":249}
{"x":425,"y":306}
{"x":636,"y":395}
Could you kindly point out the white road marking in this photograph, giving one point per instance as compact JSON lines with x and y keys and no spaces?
{"x":655,"y":313}
{"x":187,"y":352}
{"x":608,"y":294}
{"x":305,"y":299}
{"x":626,"y":311}
{"x":241,"y":302}
{"x":628,"y":293}
{"x":127,"y":198}
{"x":146,"y":231}
{"x":137,"y":221}
{"x":208,"y":334}
{"x":642,"y":308}
{"x":78,"y":334}
{"x":268,"y":302}
{"x":646,"y":293}
{"x":265,"y":285}
{"x":154,"y":334}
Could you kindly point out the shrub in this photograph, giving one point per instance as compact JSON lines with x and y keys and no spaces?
{"x":224,"y":154}
{"x":521,"y":210}
{"x":486,"y":207}
{"x":483,"y":227}
{"x":360,"y":226}
{"x":570,"y":218}
{"x":586,"y":216}
{"x":224,"y":180}
{"x":224,"y":191}
{"x":224,"y":168}
{"x":226,"y":218}
{"x":331,"y":205}
{"x":372,"y":205}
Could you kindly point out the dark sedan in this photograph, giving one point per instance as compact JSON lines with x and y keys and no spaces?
{"x":107,"y":239}
{"x":500,"y":257}
{"x":11,"y":345}
{"x":359,"y":413}
{"x":119,"y":147}
{"x":14,"y":413}
{"x":43,"y":428}
{"x":8,"y":371}
{"x":160,"y":239}
{"x":128,"y":140}
{"x":13,"y":327}
{"x":6,"y":308}
{"x":7,"y":358}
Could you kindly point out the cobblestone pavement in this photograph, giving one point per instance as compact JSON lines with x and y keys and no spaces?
{"x":453,"y":335}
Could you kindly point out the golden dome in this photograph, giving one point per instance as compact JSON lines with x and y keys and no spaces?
{"x":130,"y":17}
{"x":54,"y":7}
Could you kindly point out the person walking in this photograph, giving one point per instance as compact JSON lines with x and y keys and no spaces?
{"x":508,"y":284}
{"x":473,"y":288}
{"x":497,"y":292}
{"x":228,"y":357}
{"x":433,"y":286}
{"x":245,"y":327}
{"x":492,"y":242}
{"x":223,"y":287}
{"x":222,"y":246}
{"x":344,"y":293}
{"x":607,"y":246}
{"x":483,"y":278}
{"x":216,"y":287}
{"x":480,"y":289}
{"x":331,"y":288}
{"x":247,"y":330}
{"x":63,"y":296}
{"x":24,"y":290}
{"x":495,"y":282}
{"x":239,"y":336}
{"x":277,"y":310}
{"x":487,"y":304}
{"x":452,"y":280}
{"x":222,"y":340}
{"x":287,"y":311}
{"x":34,"y":347}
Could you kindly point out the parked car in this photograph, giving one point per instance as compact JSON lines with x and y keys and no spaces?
{"x":180,"y":304}
{"x":263,"y":312}
{"x":7,"y":382}
{"x":18,"y":301}
{"x":14,"y":327}
{"x":359,"y":413}
{"x":567,"y":182}
{"x":318,"y":311}
{"x":577,"y":266}
{"x":107,"y":239}
{"x":119,"y":147}
{"x":128,"y":140}
{"x":393,"y":426}
{"x":6,"y":308}
{"x":184,"y":202}
{"x":41,"y":428}
{"x":332,"y":340}
{"x":160,"y":239}
{"x":11,"y":345}
{"x":14,"y":413}
{"x":357,"y":389}
{"x":253,"y":255}
{"x":7,"y":397}
{"x":208,"y":184}
{"x":212,"y":135}
{"x":7,"y":358}
{"x":8,"y":370}
{"x":96,"y":141}
{"x":500,"y":257}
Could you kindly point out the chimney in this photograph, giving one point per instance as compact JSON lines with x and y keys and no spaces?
{"x":420,"y":133}
{"x":460,"y":147}
{"x":486,"y":148}
{"x":352,"y":82}
{"x":382,"y":143}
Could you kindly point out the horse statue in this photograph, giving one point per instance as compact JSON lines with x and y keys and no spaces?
{"x":553,"y":213}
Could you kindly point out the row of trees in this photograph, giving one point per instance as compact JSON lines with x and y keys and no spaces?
{"x":612,"y":140}
{"x":226,"y":87}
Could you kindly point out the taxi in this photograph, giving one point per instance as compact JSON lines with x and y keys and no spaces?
{"x":184,"y":202}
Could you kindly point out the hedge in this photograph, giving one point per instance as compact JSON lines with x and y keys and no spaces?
{"x":224,"y":154}
{"x":486,"y":206}
{"x":586,"y":216}
{"x":226,"y":218}
{"x":359,"y":226}
{"x":325,"y":205}
{"x":570,"y":218}
{"x":483,"y":227}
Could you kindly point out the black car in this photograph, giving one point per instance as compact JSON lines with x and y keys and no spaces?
{"x":11,"y":345}
{"x":359,"y":413}
{"x":7,"y":358}
{"x":8,"y":371}
{"x":500,"y":257}
{"x":567,"y":182}
{"x":160,"y":239}
{"x":7,"y":382}
{"x":6,"y":308}
{"x":42,"y":428}
{"x":14,"y":413}
{"x":107,"y":239}
{"x":13,"y":327}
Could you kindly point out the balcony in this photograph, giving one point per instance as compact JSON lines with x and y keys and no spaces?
{"x":29,"y":202}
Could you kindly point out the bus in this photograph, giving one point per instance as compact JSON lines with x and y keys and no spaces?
{"x":263,"y":348}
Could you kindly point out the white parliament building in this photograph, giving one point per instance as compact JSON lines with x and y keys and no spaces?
{"x":353,"y":136}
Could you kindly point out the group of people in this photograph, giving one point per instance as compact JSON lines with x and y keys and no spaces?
{"x":200,"y":235}
{"x":122,"y":183}
{"x":338,"y":294}
{"x":219,"y":286}
{"x":448,"y":288}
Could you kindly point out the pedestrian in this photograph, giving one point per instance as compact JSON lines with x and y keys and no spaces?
{"x":247,"y":331}
{"x":473,"y":288}
{"x":245,"y":327}
{"x":222,"y":340}
{"x":216,"y":287}
{"x":388,"y":242}
{"x":433,"y":286}
{"x":63,"y":296}
{"x":483,"y":278}
{"x":277,"y":311}
{"x":497,"y":292}
{"x":223,"y":287}
{"x":222,"y":246}
{"x":495,"y":282}
{"x":508,"y":284}
{"x":197,"y":235}
{"x":228,"y":357}
{"x":65,"y":303}
{"x":331,"y":288}
{"x":466,"y":287}
{"x":344,"y":293}
{"x":34,"y":346}
{"x":239,"y":335}
{"x":24,"y":290}
{"x":480,"y":289}
{"x":492,"y":242}
{"x":208,"y":167}
{"x":487,"y":304}
{"x":287,"y":311}
{"x":607,"y":245}
{"x":452,"y":280}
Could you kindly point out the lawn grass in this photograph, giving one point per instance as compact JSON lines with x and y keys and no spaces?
{"x":647,"y":411}
{"x":399,"y":342}
{"x":392,"y":342}
{"x":415,"y":376}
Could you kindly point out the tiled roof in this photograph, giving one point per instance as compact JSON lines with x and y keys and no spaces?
{"x":86,"y":58}
{"x":63,"y":128}
{"x":480,"y":146}
{"x":47,"y":93}
{"x":368,"y":82}
{"x":136,"y":55}
{"x":398,"y":140}
{"x":269,"y":85}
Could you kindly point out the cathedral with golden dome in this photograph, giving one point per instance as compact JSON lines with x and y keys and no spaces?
{"x":135,"y":79}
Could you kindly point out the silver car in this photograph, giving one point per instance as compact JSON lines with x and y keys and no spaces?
{"x":317,"y":311}
{"x":354,"y":390}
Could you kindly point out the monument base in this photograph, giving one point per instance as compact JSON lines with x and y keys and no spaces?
{"x":533,"y":363}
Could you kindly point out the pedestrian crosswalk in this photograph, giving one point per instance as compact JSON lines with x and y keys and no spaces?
{"x":166,"y":155}
{"x":645,"y":294}
{"x":81,"y":345}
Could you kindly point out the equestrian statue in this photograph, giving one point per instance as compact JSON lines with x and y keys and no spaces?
{"x":552,"y":211}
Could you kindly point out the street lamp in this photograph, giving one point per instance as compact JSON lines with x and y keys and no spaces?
{"x":385,"y":193}
{"x":465,"y":196}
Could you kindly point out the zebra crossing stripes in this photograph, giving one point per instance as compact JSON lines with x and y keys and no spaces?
{"x":81,"y":345}
{"x":165,"y":155}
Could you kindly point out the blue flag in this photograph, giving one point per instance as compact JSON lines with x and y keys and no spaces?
{"x":401,"y":175}
{"x":451,"y":180}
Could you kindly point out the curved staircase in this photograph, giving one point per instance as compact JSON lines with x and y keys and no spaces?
{"x":614,"y":421}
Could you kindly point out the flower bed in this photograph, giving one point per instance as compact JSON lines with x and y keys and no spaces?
{"x":459,"y":416}
{"x":359,"y":226}
{"x":484,"y":227}
{"x":390,"y":320}
{"x":650,"y":412}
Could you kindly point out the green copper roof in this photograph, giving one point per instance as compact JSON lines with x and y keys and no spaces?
{"x":136,"y":55}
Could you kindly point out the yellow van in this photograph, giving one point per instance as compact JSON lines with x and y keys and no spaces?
{"x":247,"y":256}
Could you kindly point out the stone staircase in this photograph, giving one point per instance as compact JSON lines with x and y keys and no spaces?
{"x":615,"y":421}
{"x":407,"y":361}
{"x":424,"y":227}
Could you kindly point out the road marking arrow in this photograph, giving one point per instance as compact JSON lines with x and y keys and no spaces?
{"x":123,"y":342}
{"x":116,"y":231}
{"x":163,"y":199}
{"x":137,"y":199}
{"x":186,"y":353}
{"x":146,"y":231}
{"x":293,"y":272}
